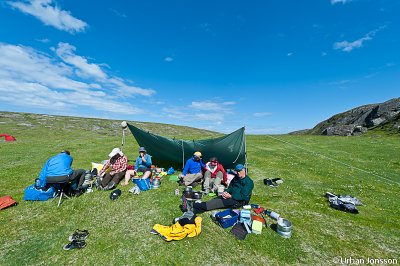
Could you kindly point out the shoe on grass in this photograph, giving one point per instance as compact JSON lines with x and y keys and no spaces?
{"x":110,"y":186}
{"x":79,"y":235}
{"x":277,"y":180}
{"x":75,"y":244}
{"x":268,"y":182}
{"x":77,"y":192}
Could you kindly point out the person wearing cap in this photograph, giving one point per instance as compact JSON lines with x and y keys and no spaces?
{"x":142,"y":164}
{"x":118,"y":163}
{"x":192,"y":173}
{"x":213,"y":176}
{"x":236,"y":196}
{"x":58,"y":169}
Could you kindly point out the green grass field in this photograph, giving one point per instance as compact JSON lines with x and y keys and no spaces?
{"x":33,"y":233}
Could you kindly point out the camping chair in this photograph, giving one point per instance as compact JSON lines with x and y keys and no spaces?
{"x":61,"y":189}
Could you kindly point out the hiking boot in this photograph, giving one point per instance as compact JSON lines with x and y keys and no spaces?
{"x":75,"y":244}
{"x":268,"y":182}
{"x":277,"y":181}
{"x":135,"y":190}
{"x":87,"y":183}
{"x":110,"y":185}
{"x":77,"y":193}
{"x":97,"y":183}
{"x":79,"y":235}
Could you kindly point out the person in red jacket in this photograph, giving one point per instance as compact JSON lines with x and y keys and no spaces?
{"x":214,"y":174}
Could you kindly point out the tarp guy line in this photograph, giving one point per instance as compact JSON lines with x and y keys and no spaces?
{"x":326,"y":157}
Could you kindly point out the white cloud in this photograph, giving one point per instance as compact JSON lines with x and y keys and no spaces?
{"x":87,"y":70}
{"x":212,"y":106}
{"x":45,"y":40}
{"x":340,"y":1}
{"x":51,"y":84}
{"x":169,"y":59}
{"x":289,"y":54}
{"x":271,"y":130}
{"x":47,"y":12}
{"x":346,"y":46}
{"x":201,"y":113}
{"x":119,"y":14}
{"x":262,"y":114}
{"x":126,"y":90}
{"x":206,"y":27}
{"x":218,"y":119}
{"x":84,"y":69}
{"x":177,"y":113}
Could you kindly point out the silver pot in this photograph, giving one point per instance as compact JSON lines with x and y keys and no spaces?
{"x":197,"y":195}
{"x":284,"y":228}
{"x":156,"y":183}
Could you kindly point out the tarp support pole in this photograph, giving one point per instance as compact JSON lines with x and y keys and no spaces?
{"x":183,"y":156}
{"x":123,"y":139}
{"x":245,"y":150}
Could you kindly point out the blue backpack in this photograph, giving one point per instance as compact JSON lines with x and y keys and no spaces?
{"x":32,"y":193}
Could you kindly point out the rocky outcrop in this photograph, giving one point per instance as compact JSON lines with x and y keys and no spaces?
{"x":361,"y":119}
{"x":300,"y":132}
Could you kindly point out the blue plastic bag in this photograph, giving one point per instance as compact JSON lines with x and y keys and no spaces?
{"x":143,"y":184}
{"x":32,"y":193}
{"x":170,"y":171}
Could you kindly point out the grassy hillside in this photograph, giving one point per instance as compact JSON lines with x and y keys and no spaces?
{"x":34,"y":233}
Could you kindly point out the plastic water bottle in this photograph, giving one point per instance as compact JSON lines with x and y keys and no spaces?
{"x":272,"y":214}
{"x":37,"y":183}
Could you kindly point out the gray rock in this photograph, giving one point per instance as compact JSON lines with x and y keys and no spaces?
{"x":358,"y":120}
{"x":25,"y":125}
{"x":341,"y":130}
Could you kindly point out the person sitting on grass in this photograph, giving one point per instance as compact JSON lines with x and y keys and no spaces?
{"x":142,"y":164}
{"x":118,"y":163}
{"x":192,"y":173}
{"x":58,"y":169}
{"x":213,"y":176}
{"x":236,"y":196}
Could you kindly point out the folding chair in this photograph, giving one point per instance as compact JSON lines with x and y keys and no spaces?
{"x":60,"y":191}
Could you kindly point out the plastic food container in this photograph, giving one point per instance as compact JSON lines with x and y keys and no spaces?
{"x":227,"y":218}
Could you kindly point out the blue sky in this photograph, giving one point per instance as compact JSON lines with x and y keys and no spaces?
{"x":272,"y":66}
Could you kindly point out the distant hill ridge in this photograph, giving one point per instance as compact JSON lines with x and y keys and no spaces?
{"x":381,"y":116}
{"x":15,"y":121}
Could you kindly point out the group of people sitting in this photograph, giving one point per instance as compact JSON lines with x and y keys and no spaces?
{"x":195,"y":170}
{"x":118,"y":163}
{"x":58,"y":169}
{"x":213,"y":174}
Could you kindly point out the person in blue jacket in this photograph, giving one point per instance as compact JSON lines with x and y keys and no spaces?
{"x":58,"y":169}
{"x":192,"y":174}
{"x":142,"y":164}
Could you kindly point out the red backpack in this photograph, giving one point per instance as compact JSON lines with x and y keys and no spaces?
{"x":7,"y":201}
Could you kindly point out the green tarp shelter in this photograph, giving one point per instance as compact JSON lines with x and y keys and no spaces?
{"x":229,"y":149}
